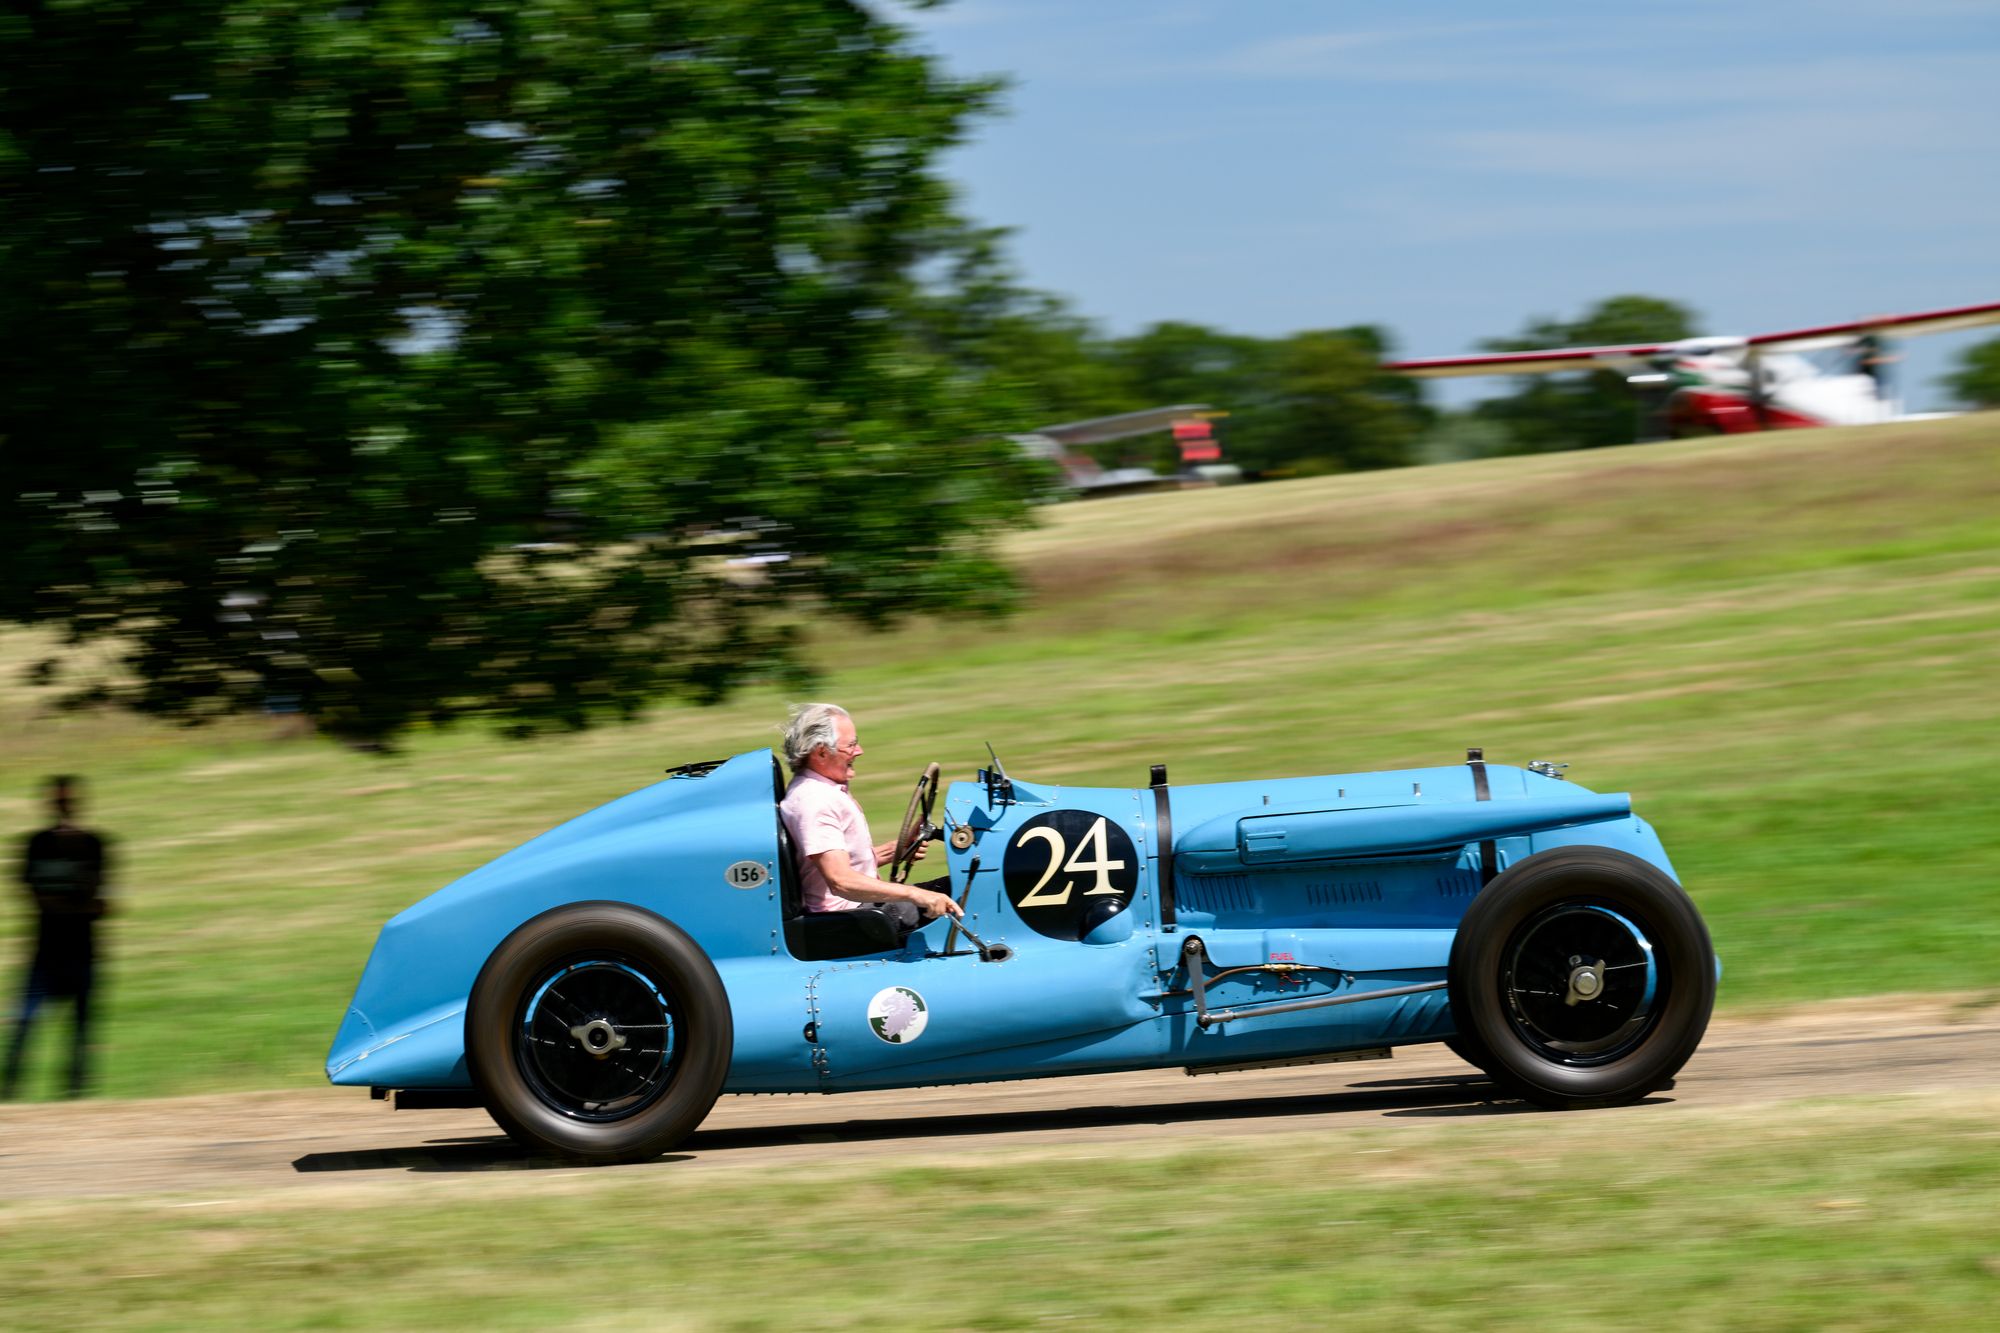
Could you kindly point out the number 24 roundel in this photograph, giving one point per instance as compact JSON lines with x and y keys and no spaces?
{"x":1068,"y":870}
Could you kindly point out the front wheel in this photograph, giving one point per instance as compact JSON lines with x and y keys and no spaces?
{"x":1585,"y":976}
{"x":600,"y":1032}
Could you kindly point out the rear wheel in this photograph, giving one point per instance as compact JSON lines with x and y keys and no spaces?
{"x":1584,"y":976}
{"x":598,"y":1031}
{"x":1467,"y":1049}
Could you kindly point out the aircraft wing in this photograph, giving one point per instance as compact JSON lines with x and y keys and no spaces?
{"x":1102,"y":430}
{"x":1530,"y":363}
{"x":1899,"y":326}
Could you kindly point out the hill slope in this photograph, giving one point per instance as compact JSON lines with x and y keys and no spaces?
{"x":1785,"y":647}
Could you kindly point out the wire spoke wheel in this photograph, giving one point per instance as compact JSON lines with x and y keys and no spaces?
{"x":598,"y":1031}
{"x":1580,"y":983}
{"x":1581,"y":976}
{"x":596,"y":1039}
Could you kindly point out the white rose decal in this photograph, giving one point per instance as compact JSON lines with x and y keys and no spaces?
{"x":898,"y":1015}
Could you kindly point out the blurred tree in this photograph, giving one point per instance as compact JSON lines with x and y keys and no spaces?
{"x":1176,"y":361}
{"x":1456,"y":436}
{"x":1335,"y":409}
{"x":409,"y":360}
{"x":1977,"y":379}
{"x":1050,"y":364}
{"x":1550,"y":413}
{"x":1309,"y":402}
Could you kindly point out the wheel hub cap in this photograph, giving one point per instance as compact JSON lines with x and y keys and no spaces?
{"x":595,"y":1038}
{"x":598,"y":1037}
{"x":1586,"y":980}
{"x":1581,"y":983}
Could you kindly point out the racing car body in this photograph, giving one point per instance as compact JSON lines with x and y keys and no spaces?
{"x":599,"y":986}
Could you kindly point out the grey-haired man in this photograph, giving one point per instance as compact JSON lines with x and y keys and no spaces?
{"x":838,"y":859}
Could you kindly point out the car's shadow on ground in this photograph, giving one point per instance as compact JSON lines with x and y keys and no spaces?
{"x":1456,"y":1095}
{"x":1493,"y":1103}
{"x":492,"y":1152}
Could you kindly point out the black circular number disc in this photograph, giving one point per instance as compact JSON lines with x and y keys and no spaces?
{"x":1068,"y":871}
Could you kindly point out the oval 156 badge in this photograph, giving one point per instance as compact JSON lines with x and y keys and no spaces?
{"x":747,"y":875}
{"x":898,"y":1015}
{"x":1069,"y":870}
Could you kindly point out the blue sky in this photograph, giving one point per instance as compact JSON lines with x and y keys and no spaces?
{"x":1450,"y":169}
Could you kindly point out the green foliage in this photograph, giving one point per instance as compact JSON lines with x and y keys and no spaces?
{"x":1333,"y":405}
{"x":1454,"y":437}
{"x":1048,"y":363}
{"x":1178,"y":362}
{"x":1977,"y":379}
{"x":412,"y":361}
{"x":1306,"y":403}
{"x":1309,"y":402}
{"x":1587,"y":411}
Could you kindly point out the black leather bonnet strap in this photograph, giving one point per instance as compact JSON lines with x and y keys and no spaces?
{"x":1489,"y":851}
{"x":1163,"y":838}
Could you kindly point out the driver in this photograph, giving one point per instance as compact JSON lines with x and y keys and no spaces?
{"x":837,"y":859}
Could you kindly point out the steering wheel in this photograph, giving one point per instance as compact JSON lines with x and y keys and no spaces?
{"x":916,"y":827}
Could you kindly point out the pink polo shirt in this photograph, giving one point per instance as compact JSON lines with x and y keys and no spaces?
{"x":822,"y":817}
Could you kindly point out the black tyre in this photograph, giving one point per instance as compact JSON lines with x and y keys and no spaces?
{"x":1585,"y":977}
{"x":1468,"y":1049}
{"x":598,"y":1031}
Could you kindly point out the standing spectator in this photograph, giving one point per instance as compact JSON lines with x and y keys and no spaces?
{"x":63,"y":869}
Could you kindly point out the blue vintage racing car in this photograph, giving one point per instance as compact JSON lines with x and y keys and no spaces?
{"x":597,"y":988}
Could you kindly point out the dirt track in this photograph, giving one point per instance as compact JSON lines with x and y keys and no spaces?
{"x":291,"y":1141}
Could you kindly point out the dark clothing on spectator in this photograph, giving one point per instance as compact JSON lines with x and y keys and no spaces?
{"x":63,"y":868}
{"x":37,"y":992}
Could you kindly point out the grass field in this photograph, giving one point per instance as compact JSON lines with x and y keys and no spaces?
{"x":1862,"y":1214}
{"x":1786,"y":647}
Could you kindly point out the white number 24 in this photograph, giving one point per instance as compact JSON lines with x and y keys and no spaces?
{"x":1101,"y":863}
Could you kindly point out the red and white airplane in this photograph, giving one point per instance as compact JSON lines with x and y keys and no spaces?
{"x":1728,"y":385}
